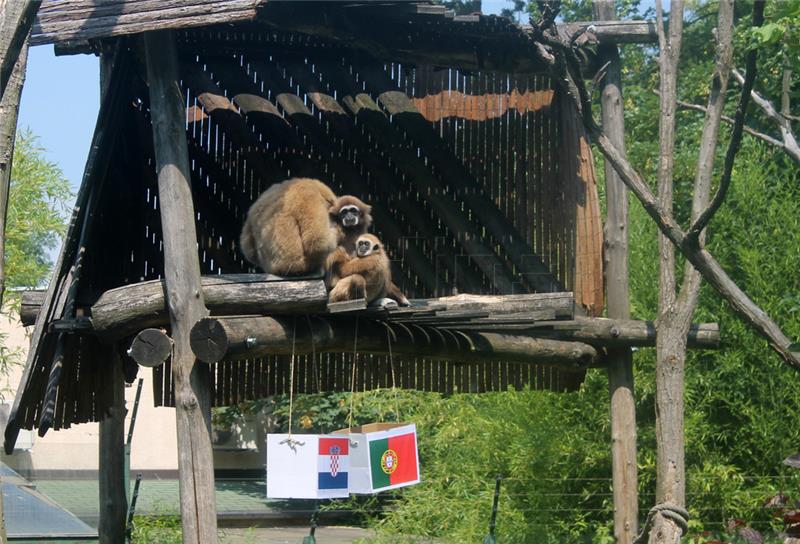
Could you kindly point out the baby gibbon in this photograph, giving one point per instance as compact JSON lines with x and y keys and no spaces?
{"x":289,"y":230}
{"x":367,"y":275}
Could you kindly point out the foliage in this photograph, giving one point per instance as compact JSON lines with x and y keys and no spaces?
{"x":37,"y":206}
{"x":36,"y":218}
{"x":157,"y":529}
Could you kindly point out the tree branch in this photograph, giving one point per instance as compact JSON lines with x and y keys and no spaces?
{"x":701,"y":259}
{"x":785,"y":84}
{"x":749,"y":130}
{"x":702,"y":220}
{"x":782,"y":119}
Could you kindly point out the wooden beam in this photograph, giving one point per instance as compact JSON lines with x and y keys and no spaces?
{"x":87,"y":19}
{"x":130,"y":308}
{"x":611,"y":32}
{"x":609,"y":333}
{"x":151,"y":347}
{"x":243,"y":337}
{"x":620,"y":360}
{"x":184,"y":290}
{"x":111,"y":446}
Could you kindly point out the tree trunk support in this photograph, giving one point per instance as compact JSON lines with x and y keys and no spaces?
{"x":184,"y":292}
{"x":620,"y":361}
{"x":113,"y":494}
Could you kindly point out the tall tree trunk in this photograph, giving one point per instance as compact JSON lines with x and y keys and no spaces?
{"x":675,"y":313}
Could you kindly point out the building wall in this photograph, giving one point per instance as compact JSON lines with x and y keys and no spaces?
{"x":73,"y":452}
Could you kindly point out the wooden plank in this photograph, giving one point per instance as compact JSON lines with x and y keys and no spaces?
{"x":132,"y":18}
{"x":184,"y":290}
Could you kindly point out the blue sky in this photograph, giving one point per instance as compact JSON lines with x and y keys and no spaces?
{"x":59,"y":105}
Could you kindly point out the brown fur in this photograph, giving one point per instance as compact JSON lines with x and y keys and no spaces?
{"x":366,"y":276}
{"x":347,"y":236}
{"x":289,"y":230}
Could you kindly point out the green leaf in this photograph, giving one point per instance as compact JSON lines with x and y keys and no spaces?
{"x":769,"y":33}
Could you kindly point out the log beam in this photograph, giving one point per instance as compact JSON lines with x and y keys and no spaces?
{"x":611,"y":32}
{"x":183,"y":289}
{"x":243,"y":337}
{"x":130,"y":308}
{"x":125,"y":310}
{"x":151,"y":347}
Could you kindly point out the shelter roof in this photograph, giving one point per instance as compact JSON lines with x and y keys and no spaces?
{"x":398,"y":30}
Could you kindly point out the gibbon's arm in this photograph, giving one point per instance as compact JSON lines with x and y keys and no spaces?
{"x":364,"y":265}
{"x":334,"y":262}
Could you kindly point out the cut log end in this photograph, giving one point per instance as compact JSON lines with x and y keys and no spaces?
{"x":151,"y":347}
{"x":209,"y":340}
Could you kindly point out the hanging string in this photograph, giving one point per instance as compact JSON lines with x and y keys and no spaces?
{"x":353,"y":377}
{"x":289,"y":440}
{"x":314,"y":366}
{"x":291,"y":376}
{"x":391,"y":368}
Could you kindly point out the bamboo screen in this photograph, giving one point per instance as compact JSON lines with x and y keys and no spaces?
{"x":480,"y":183}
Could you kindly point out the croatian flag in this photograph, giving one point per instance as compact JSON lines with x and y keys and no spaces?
{"x":333,"y":463}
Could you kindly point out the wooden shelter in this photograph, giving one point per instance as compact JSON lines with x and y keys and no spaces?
{"x":476,"y":165}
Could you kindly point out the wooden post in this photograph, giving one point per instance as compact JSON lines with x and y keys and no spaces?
{"x":184,"y":292}
{"x":620,"y":364}
{"x":113,"y":495}
{"x":9,"y":111}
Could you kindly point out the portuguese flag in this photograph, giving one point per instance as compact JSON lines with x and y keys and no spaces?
{"x":393,"y":459}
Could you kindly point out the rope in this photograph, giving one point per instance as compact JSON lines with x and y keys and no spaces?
{"x":391,"y":368}
{"x":673,"y":512}
{"x":292,"y":443}
{"x":353,"y":377}
{"x":291,"y":376}
{"x":314,"y":366}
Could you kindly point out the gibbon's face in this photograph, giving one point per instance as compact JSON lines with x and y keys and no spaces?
{"x":350,"y":216}
{"x":366,"y":247}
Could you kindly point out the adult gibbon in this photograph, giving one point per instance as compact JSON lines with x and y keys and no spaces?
{"x":353,"y":218}
{"x":294,"y":226}
{"x":289,"y":230}
{"x":367,"y":275}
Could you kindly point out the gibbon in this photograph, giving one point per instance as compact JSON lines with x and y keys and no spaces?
{"x":367,"y":275}
{"x":290,"y":230}
{"x":352,"y":220}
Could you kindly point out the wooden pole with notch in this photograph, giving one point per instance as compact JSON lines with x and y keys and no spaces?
{"x":620,"y":363}
{"x":184,"y":291}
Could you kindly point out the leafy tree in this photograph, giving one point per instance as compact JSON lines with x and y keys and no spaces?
{"x":36,"y":219}
{"x":37,"y":209}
